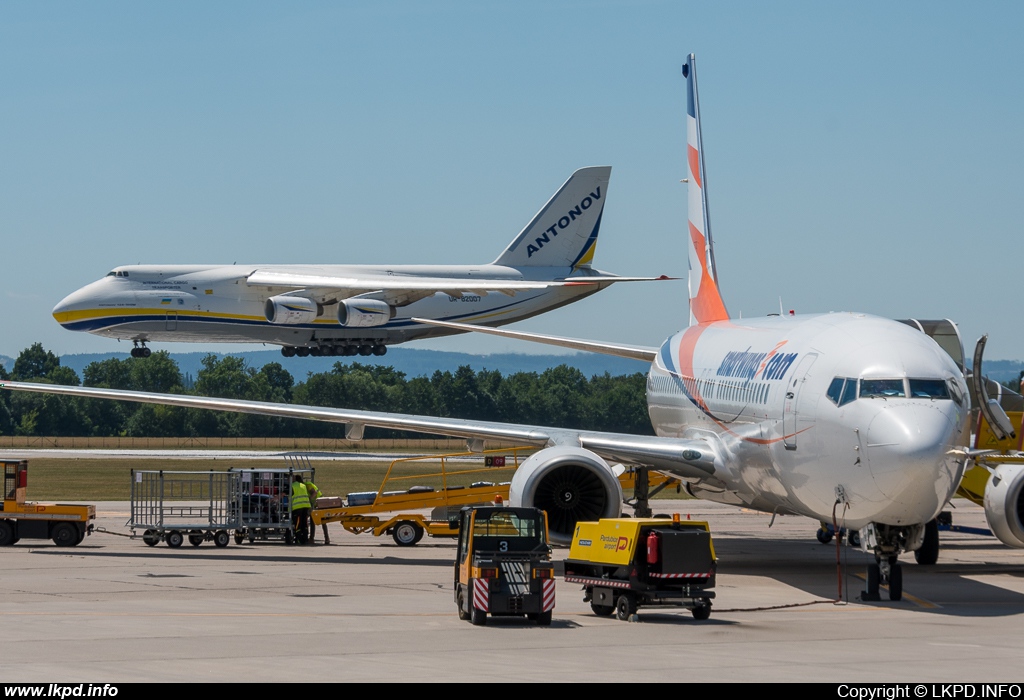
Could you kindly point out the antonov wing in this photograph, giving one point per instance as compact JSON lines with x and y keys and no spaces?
{"x":632,"y":352}
{"x":685,"y":458}
{"x":409,"y":283}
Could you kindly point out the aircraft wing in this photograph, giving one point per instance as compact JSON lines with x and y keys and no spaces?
{"x":685,"y":457}
{"x":632,"y":352}
{"x":455,"y":286}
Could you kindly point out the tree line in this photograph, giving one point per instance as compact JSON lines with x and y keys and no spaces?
{"x":560,"y":396}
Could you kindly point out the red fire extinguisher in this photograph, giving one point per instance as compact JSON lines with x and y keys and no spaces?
{"x":653,"y":545}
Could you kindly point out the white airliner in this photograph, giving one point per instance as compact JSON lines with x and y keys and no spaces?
{"x":840,"y":417}
{"x":353,"y":309}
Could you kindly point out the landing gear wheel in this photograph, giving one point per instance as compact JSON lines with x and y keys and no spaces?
{"x":461,"y":603}
{"x":824,"y":535}
{"x":896,"y":582}
{"x":365,"y":350}
{"x":625,"y":607}
{"x":7,"y":537}
{"x":406,"y":533}
{"x":174,"y":539}
{"x":64,"y":535}
{"x":316,"y":351}
{"x":151,"y":538}
{"x":288,"y":351}
{"x":853,"y":538}
{"x":239,"y":537}
{"x":602,"y":610}
{"x":350,"y":350}
{"x":221,"y":538}
{"x":544,"y":619}
{"x":871,"y":592}
{"x":146,"y":352}
{"x":928,"y":553}
{"x":478,"y":617}
{"x":702,"y":611}
{"x":195,"y":538}
{"x":302,"y":352}
{"x":380,"y":350}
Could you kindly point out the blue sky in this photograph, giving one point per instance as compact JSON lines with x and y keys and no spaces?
{"x":860,"y":157}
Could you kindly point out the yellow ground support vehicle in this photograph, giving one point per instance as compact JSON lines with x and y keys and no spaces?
{"x":503,"y":565}
{"x":66,"y":525}
{"x":625,"y":564}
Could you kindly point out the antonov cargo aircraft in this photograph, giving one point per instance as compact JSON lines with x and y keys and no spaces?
{"x":353,"y":309}
{"x":844,"y":418}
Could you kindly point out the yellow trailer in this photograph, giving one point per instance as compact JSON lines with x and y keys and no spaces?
{"x":65,"y":524}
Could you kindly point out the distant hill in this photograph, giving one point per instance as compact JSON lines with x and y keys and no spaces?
{"x":414,"y":363}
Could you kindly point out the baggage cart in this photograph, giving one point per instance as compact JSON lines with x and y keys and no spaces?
{"x":170,"y":506}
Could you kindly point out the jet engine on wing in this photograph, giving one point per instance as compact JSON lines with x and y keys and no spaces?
{"x":364,"y":313}
{"x":1004,"y":504}
{"x":290,"y":310}
{"x":571,"y":484}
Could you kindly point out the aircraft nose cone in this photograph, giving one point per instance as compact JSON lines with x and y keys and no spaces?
{"x":908,"y":455}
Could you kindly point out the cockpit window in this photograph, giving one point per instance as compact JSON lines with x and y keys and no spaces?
{"x":849,"y":392}
{"x":928,"y":389}
{"x":112,"y":273}
{"x":842,"y":390}
{"x":835,"y":389}
{"x":882,"y":388}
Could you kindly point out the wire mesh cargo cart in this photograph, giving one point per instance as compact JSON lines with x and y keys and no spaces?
{"x":172,"y":506}
{"x":264,"y":508}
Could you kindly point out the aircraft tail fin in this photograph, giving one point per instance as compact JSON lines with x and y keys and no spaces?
{"x":706,"y":303}
{"x":564,"y":231}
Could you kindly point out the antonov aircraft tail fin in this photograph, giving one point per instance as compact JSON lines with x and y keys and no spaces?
{"x":564,"y":231}
{"x":706,"y":303}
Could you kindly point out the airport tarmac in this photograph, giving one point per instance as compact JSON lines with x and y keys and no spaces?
{"x":363,"y":609}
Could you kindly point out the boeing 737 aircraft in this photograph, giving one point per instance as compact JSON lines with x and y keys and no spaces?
{"x":353,"y":309}
{"x":843,"y":418}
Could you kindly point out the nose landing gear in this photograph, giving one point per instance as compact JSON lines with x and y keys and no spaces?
{"x":886,"y":571}
{"x":140,"y":349}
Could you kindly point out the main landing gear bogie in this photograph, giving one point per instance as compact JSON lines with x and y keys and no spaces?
{"x":346,"y":350}
{"x":140,"y":349}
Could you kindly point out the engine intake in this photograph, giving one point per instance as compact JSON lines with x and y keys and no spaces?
{"x":1004,"y":504}
{"x":364,"y":313}
{"x":569,"y":483}
{"x":286,"y":310}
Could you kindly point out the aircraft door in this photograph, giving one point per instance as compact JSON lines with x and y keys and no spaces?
{"x":791,"y":408}
{"x":171,"y":320}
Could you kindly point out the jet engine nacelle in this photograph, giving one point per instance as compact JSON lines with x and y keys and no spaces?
{"x":571,"y":484}
{"x":286,"y":310}
{"x":364,"y":313}
{"x":1004,"y":504}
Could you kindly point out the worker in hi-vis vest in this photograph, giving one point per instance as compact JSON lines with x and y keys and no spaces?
{"x":300,"y":510}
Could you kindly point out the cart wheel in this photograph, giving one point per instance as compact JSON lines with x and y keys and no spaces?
{"x":625,"y":607}
{"x":7,"y":537}
{"x":65,"y":535}
{"x":195,"y":538}
{"x":288,"y":538}
{"x":460,"y":601}
{"x":151,"y":538}
{"x":239,"y":537}
{"x":478,"y":617}
{"x":406,"y":533}
{"x":602,"y":610}
{"x":174,"y":538}
{"x":544,"y":619}
{"x":221,"y":538}
{"x":702,"y":611}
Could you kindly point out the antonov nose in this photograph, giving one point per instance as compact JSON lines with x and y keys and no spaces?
{"x":79,"y":300}
{"x":908,"y":449}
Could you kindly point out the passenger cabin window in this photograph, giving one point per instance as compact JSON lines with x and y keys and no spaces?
{"x":882,"y":389}
{"x":928,"y":389}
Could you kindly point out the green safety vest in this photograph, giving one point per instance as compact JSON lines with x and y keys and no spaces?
{"x":300,"y":497}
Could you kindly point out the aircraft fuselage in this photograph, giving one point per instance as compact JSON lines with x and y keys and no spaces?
{"x":807,"y":410}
